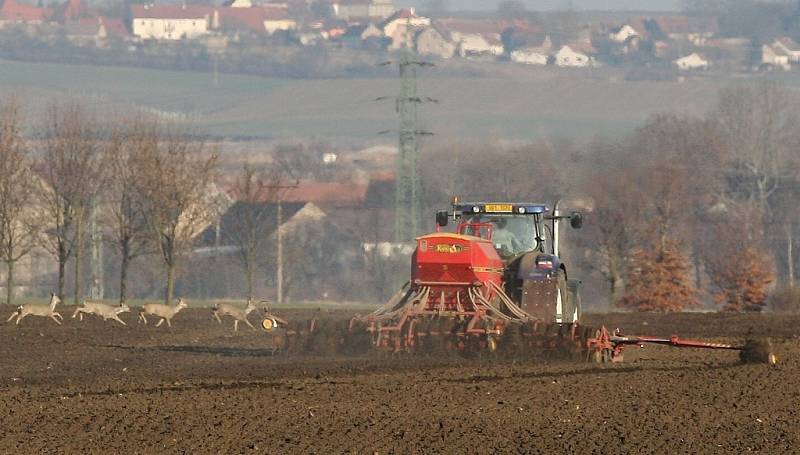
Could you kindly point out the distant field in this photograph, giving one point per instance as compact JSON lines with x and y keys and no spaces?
{"x":518,"y":103}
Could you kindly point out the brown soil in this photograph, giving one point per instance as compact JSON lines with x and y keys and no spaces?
{"x":96,"y":387}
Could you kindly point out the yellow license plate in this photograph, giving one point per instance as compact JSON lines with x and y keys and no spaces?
{"x":499,"y":208}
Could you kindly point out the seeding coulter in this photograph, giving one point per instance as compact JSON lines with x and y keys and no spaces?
{"x":497,"y":282}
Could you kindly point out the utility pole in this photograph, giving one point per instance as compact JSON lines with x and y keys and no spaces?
{"x":408,"y":214}
{"x":279,"y":235}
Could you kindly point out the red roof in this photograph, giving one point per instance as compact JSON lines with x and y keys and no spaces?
{"x":72,"y":10}
{"x":171,"y":11}
{"x":114,"y":26}
{"x":326,"y":192}
{"x":12,"y":11}
{"x":249,"y":18}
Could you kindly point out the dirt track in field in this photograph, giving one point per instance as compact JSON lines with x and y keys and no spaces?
{"x":198,"y":388}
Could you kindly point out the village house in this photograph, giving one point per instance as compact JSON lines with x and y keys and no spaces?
{"x":84,"y":27}
{"x":533,"y":55}
{"x":474,"y":38}
{"x":775,"y":57}
{"x":623,"y":34}
{"x":568,"y":58}
{"x":693,"y":61}
{"x":364,"y":36}
{"x":276,"y":19}
{"x":170,"y":22}
{"x":363,"y":9}
{"x":402,"y":19}
{"x":430,"y":41}
{"x":13,"y":13}
{"x":788,"y":47}
{"x":173,"y":22}
{"x":95,"y":31}
{"x":694,"y":29}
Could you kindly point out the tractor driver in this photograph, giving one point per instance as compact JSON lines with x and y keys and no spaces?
{"x":503,"y":239}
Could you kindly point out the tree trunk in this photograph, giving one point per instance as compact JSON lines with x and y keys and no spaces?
{"x":170,"y":283}
{"x":78,"y":258}
{"x":615,"y":284}
{"x":790,"y":254}
{"x":250,"y":280}
{"x":123,"y":274}
{"x":10,"y":282}
{"x":62,"y":265}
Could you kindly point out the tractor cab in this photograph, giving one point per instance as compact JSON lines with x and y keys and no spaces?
{"x":513,"y":229}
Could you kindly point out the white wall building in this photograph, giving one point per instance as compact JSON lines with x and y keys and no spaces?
{"x":693,"y":61}
{"x":566,"y":57}
{"x":168,"y":22}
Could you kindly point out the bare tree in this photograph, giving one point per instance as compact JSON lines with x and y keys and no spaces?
{"x":19,"y":228}
{"x":759,"y":125}
{"x":251,"y":222}
{"x":761,"y":134}
{"x":175,"y":177}
{"x":71,"y":164}
{"x":126,"y":215}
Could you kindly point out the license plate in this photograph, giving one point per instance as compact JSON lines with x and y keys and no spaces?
{"x":499,"y":208}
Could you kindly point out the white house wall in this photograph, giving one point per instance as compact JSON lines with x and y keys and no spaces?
{"x":170,"y":29}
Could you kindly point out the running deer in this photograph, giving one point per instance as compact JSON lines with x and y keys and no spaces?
{"x":33,"y":309}
{"x":238,"y":314}
{"x":103,"y":310}
{"x":165,"y":312}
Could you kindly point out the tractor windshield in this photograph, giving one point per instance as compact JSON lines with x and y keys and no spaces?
{"x":511,"y":234}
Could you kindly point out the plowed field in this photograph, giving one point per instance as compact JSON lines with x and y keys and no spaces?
{"x":96,"y":387}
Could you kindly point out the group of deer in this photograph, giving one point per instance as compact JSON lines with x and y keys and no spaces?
{"x":105,"y":311}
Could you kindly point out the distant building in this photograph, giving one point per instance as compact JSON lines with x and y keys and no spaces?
{"x":430,"y":41}
{"x":694,"y":29}
{"x":170,"y":22}
{"x":402,"y":19}
{"x":533,"y":55}
{"x":775,"y":57}
{"x":95,"y":31}
{"x":13,"y":13}
{"x":474,"y":38}
{"x":788,"y":47}
{"x":623,"y":34}
{"x":363,"y":9}
{"x":529,"y":56}
{"x":175,"y":22}
{"x":277,"y":20}
{"x":566,"y":57}
{"x":693,"y":61}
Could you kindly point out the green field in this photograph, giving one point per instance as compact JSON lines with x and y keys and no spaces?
{"x":517,"y":103}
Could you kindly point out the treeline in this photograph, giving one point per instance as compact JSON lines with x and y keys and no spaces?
{"x":143,"y":181}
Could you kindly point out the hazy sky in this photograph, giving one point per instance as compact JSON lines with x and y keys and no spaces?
{"x":541,"y":5}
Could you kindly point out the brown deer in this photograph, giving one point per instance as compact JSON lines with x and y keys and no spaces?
{"x":237,"y":313}
{"x":34,"y":309}
{"x":165,"y":312}
{"x":103,"y":310}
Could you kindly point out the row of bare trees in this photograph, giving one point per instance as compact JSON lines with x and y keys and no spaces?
{"x":145,"y":180}
{"x":702,"y":204}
